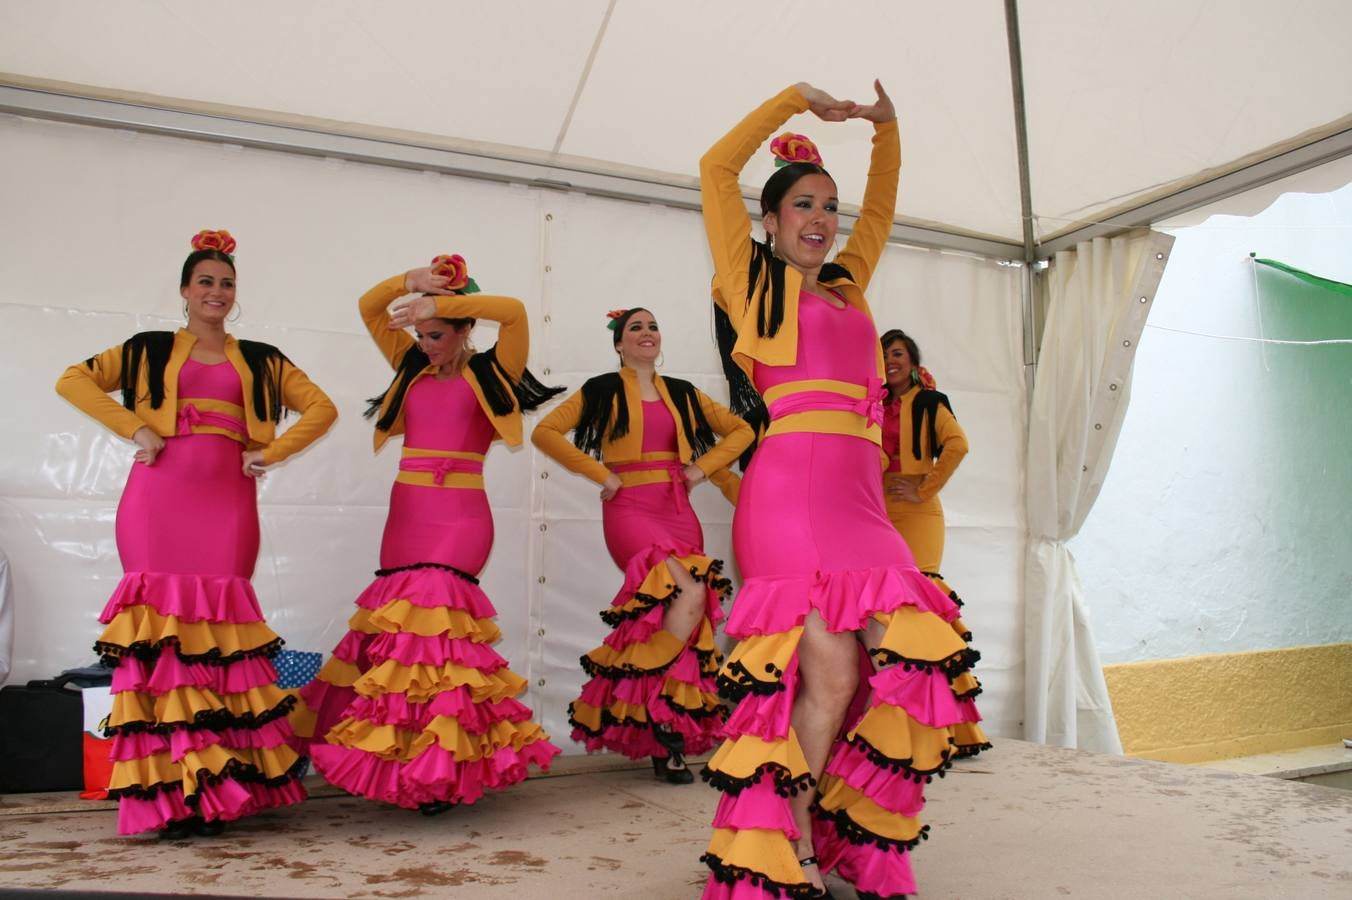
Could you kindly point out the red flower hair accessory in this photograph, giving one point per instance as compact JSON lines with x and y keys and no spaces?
{"x":614,"y":316}
{"x":792,"y":148}
{"x":456,"y":269}
{"x":214,"y":240}
{"x":924,"y":378}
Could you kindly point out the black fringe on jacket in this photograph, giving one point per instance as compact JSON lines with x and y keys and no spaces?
{"x":152,"y":349}
{"x":926,"y":406}
{"x":603,"y":397}
{"x":501,"y":393}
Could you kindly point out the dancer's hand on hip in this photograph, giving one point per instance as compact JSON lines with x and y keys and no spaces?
{"x":610,"y":487}
{"x":254,"y":466}
{"x":149,"y":445}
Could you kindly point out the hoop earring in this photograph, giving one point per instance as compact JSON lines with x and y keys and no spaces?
{"x":185,"y":310}
{"x":661,"y":358}
{"x":239,"y":312}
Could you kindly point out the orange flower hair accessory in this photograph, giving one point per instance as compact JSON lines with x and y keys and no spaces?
{"x":924,"y":378}
{"x":614,"y":316}
{"x":214,"y":240}
{"x":792,"y":148}
{"x":456,"y":269}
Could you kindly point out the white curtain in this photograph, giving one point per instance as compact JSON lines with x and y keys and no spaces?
{"x":1098,"y":297}
{"x":6,"y":618}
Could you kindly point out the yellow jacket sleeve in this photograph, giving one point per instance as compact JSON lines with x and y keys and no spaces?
{"x":87,"y":385}
{"x":374,"y":306}
{"x":551,"y":436}
{"x":317,"y":414}
{"x":874,"y":226}
{"x":729,"y":482}
{"x":954,"y":442}
{"x":735,"y":435}
{"x":510,"y":314}
{"x":726,"y":221}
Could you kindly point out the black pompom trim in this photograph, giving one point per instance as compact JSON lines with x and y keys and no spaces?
{"x":967,"y":751}
{"x":212,"y":720}
{"x":721,"y":586}
{"x":952,"y":666}
{"x":736,"y":681}
{"x":148,"y":652}
{"x":610,"y":720}
{"x":786,"y":785}
{"x":458,"y":573}
{"x":904,"y":767}
{"x":234,"y":771}
{"x":629,"y":670}
{"x":728,"y":874}
{"x":858,"y":835}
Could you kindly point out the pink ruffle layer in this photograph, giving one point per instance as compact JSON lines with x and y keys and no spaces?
{"x":844,"y":599}
{"x":428,"y":588}
{"x":180,"y":742}
{"x":926,"y":696}
{"x":433,"y":776}
{"x":191,"y":598}
{"x":169,"y":671}
{"x":225,"y":801}
{"x":866,"y":866}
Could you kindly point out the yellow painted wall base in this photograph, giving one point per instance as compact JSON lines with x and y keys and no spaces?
{"x":1220,"y":706}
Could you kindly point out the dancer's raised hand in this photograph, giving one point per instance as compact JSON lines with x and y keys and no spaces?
{"x":823,"y":105}
{"x":879,"y":111}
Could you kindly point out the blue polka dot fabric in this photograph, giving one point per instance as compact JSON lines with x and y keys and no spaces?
{"x":296,"y":668}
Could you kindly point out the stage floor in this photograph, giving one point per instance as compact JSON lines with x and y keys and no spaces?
{"x":1023,"y":821}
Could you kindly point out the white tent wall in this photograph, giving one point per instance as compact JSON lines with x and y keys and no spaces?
{"x":97,"y":224}
{"x":1209,"y":533}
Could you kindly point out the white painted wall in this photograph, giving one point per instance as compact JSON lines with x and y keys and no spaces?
{"x":96,"y":226}
{"x":1225,"y":523}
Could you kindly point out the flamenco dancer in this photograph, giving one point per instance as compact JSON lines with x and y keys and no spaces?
{"x":917,"y":470}
{"x":647,"y":439}
{"x":825,"y":574}
{"x":415,"y":708}
{"x":200,"y":735}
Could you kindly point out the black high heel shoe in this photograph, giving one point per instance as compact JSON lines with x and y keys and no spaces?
{"x":674,"y":743}
{"x":435,"y":808}
{"x":202,"y":828}
{"x":869,"y":895}
{"x":177,"y":830}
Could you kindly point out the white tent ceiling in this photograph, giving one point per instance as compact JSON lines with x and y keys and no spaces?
{"x":1125,"y":102}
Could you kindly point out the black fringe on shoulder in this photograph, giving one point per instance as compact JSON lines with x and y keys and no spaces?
{"x":926,"y":406}
{"x":149,"y":348}
{"x":500,"y":390}
{"x":501,"y":393}
{"x":743,"y":398}
{"x":699,"y":434}
{"x":266,"y":363}
{"x":602,"y":398}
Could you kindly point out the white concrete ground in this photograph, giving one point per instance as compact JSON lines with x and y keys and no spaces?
{"x":1023,"y":821}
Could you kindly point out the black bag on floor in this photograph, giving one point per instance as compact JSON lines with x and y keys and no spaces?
{"x":40,"y":737}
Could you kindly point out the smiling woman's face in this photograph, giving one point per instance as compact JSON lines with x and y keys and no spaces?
{"x":640,"y":341}
{"x":210,"y":292}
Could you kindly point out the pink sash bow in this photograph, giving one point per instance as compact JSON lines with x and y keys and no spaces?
{"x":441,"y":466}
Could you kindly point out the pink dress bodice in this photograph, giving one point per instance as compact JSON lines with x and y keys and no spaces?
{"x":839,"y":344}
{"x":892,"y":436}
{"x":659,"y":428}
{"x":445,"y":415}
{"x":216,"y":381}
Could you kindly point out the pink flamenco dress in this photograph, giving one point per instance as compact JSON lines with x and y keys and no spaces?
{"x":415,"y":707}
{"x":644,"y":683}
{"x":811,"y":533}
{"x":199,"y":725}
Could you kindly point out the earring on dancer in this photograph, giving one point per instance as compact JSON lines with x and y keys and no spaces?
{"x":239,"y":311}
{"x":661,"y":357}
